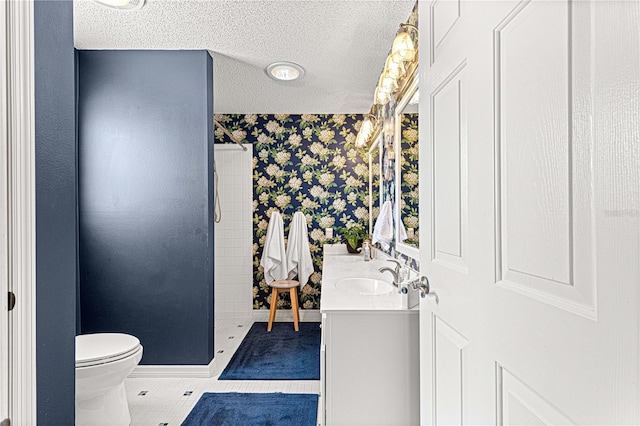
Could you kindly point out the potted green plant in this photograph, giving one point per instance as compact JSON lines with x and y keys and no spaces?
{"x":354,"y":236}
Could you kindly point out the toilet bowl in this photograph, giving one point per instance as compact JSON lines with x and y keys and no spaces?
{"x":103,"y":361}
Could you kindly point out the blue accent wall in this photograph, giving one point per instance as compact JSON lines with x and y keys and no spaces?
{"x":145,"y":200}
{"x":56,"y":203}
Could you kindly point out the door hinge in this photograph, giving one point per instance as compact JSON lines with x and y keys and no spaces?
{"x":5,"y":422}
{"x":12,"y":304}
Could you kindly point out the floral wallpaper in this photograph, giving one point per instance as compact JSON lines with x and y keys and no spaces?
{"x":304,"y":163}
{"x":376,"y":181}
{"x":409,"y":177}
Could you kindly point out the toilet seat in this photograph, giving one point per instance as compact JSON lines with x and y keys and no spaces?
{"x":103,"y":348}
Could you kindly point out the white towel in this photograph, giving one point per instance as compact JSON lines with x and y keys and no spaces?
{"x":298,"y":252}
{"x":403,"y":232}
{"x":274,"y":257}
{"x":383,"y":230}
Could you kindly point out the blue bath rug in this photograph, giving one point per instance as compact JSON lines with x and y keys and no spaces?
{"x":282,"y":354}
{"x":248,"y":409}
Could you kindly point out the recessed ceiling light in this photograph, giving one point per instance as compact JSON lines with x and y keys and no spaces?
{"x":285,"y":71}
{"x":125,"y":5}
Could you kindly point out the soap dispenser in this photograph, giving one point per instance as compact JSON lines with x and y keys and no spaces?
{"x":366,"y":249}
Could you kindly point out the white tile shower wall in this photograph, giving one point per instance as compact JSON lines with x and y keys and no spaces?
{"x":233,"y":235}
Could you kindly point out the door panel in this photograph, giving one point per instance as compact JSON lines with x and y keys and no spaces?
{"x":544,"y":218}
{"x":521,"y":405}
{"x":448,"y":348}
{"x":444,"y":16}
{"x":449,"y":202}
{"x":531,"y":119}
{"x":534,"y":143}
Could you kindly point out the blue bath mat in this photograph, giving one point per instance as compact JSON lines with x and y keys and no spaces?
{"x":282,"y":354}
{"x":248,"y":409}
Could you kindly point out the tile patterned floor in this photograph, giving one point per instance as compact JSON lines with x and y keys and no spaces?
{"x":167,"y":402}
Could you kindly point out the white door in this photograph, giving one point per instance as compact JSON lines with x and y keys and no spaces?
{"x":4,"y":272}
{"x":530,"y":180}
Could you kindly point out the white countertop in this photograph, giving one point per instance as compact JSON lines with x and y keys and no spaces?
{"x":339,"y":264}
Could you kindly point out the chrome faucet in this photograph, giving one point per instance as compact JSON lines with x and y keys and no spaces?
{"x":395,"y":272}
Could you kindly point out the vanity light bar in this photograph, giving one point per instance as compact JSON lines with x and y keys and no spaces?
{"x":395,"y":72}
{"x":403,"y":50}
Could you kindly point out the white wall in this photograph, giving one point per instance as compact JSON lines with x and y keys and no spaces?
{"x":233,"y":235}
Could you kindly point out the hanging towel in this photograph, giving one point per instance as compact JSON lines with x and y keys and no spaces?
{"x":403,"y":232}
{"x":383,"y":230}
{"x":274,"y":257}
{"x":298,"y":252}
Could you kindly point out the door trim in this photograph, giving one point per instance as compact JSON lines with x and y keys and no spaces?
{"x":4,"y":226}
{"x":21,"y":210}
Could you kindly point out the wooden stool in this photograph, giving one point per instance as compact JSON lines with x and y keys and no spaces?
{"x":281,"y":286}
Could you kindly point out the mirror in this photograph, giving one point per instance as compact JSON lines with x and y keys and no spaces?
{"x":375,"y":181}
{"x":382,"y":166}
{"x":407,"y":153}
{"x":388,"y":178}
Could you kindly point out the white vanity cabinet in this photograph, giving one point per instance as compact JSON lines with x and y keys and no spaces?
{"x":369,"y":350}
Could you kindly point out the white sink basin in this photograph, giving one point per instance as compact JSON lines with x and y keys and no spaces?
{"x":364,"y":286}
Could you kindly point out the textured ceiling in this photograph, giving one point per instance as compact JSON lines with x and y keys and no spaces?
{"x":341,"y":44}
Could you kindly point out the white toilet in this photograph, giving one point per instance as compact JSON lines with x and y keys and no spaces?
{"x":103,"y":361}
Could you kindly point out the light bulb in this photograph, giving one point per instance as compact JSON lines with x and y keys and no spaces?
{"x":366,"y":130}
{"x":388,"y":83}
{"x":382,"y":96}
{"x":284,"y":71}
{"x":367,"y":127}
{"x":394,"y":69}
{"x":361,"y":139}
{"x":403,"y":48}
